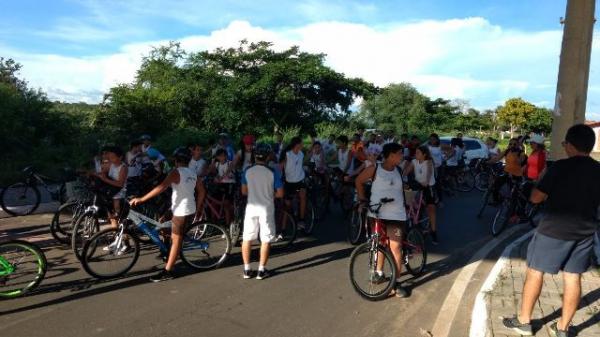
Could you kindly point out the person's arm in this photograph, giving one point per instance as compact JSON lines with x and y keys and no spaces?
{"x":498,"y":158}
{"x":349,"y":161}
{"x":545,"y":185}
{"x":200,"y":195}
{"x":244,"y":184}
{"x":278,"y":185}
{"x":429,"y":173}
{"x":409,"y":169}
{"x":172,"y":178}
{"x":361,"y":180}
{"x":537,"y":196}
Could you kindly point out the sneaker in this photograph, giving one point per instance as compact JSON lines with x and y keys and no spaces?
{"x":110,"y":247}
{"x":278,"y":238}
{"x":377,"y":278}
{"x":262,"y":274}
{"x":163,"y":275}
{"x":514,"y":324}
{"x":247,"y":274}
{"x":558,"y":333}
{"x":125,"y":248}
{"x":401,"y":291}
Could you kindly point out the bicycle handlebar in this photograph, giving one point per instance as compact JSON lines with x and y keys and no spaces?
{"x":374,"y":208}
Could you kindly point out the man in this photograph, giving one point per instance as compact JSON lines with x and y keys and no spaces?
{"x":278,"y":147}
{"x":293,"y":169}
{"x":261,"y":185}
{"x":225,"y":144}
{"x":564,"y":237}
{"x":330,"y":148}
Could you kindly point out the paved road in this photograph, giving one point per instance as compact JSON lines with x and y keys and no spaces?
{"x":309,"y":294}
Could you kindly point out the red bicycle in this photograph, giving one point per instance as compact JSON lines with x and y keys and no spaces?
{"x":375,"y":255}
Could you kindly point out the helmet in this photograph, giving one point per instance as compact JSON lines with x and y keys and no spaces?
{"x":262,"y":151}
{"x":182,"y":154}
{"x":145,"y":137}
{"x":153,"y":153}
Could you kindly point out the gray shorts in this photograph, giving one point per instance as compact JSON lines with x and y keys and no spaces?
{"x":550,"y":255}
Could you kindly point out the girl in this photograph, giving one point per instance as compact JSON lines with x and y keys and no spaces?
{"x":423,"y":168}
{"x":293,"y":169}
{"x":116,"y":176}
{"x":536,"y":162}
{"x":184,"y":182}
{"x":387,"y":183}
{"x":223,"y":170}
{"x":317,"y":157}
{"x":245,"y":157}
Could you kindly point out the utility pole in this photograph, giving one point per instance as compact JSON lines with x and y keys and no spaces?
{"x":573,"y":72}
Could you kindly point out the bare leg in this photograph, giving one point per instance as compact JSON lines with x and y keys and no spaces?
{"x":264,"y":253}
{"x":246,"y":250}
{"x":571,"y":298}
{"x":302,"y":195}
{"x":396,"y":248}
{"x":176,"y":241}
{"x":431,"y":212}
{"x":531,"y":293}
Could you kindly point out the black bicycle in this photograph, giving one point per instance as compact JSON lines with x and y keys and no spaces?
{"x":23,"y":198}
{"x":515,"y":205}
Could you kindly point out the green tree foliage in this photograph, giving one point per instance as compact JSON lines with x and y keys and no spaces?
{"x":251,"y":88}
{"x":539,"y":121}
{"x":515,"y":112}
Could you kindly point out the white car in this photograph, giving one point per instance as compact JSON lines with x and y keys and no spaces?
{"x":474,"y":147}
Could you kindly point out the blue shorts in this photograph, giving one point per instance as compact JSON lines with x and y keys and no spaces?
{"x":550,"y":255}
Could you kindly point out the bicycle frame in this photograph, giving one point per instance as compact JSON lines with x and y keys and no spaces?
{"x":6,"y":268}
{"x":415,"y":208}
{"x":150,"y":227}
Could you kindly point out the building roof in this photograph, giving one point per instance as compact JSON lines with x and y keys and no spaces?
{"x":592,"y":124}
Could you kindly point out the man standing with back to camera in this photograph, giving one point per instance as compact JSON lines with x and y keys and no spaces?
{"x":564,"y":238}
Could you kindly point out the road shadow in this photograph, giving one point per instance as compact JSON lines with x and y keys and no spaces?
{"x":585,"y":302}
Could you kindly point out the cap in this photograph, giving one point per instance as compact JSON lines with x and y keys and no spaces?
{"x":537,"y":138}
{"x":248,"y":140}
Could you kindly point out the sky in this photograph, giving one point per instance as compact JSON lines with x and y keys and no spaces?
{"x":480,"y":51}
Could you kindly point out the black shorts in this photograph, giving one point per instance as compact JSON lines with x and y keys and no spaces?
{"x":223,"y":190}
{"x":394,"y":228}
{"x":292,"y":188}
{"x":550,"y":255}
{"x":429,"y":195}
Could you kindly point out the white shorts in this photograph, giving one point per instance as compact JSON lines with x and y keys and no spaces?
{"x":256,"y":223}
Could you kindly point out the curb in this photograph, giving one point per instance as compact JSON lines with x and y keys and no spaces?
{"x":480,"y":311}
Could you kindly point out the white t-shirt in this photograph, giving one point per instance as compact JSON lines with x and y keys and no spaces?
{"x":421,"y":170}
{"x":113,"y":173}
{"x":294,"y":167}
{"x":318,"y":160}
{"x":454,"y":158}
{"x":343,"y":157}
{"x":224,"y":173}
{"x":197,"y":166}
{"x":183,"y":202}
{"x":375,"y":149}
{"x":388,"y":184}
{"x":436,"y":155}
{"x":329,"y":147}
{"x":134,"y":163}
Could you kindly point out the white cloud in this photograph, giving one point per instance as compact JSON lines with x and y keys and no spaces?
{"x":462,"y":58}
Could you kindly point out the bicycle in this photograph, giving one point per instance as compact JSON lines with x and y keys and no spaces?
{"x":22,"y":268}
{"x":112,"y":252}
{"x":23,"y":198}
{"x":342,"y":191}
{"x":494,"y":174}
{"x":416,"y":210}
{"x":292,"y":206}
{"x":376,"y":248}
{"x":458,"y":179}
{"x":67,"y":214}
{"x":515,"y":206}
{"x":317,"y":190}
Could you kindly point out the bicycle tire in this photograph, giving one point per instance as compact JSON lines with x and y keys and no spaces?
{"x":61,"y":231}
{"x":91,"y":253}
{"x":346,"y":200}
{"x":10,"y":207}
{"x":415,"y":258}
{"x":464,"y":182}
{"x":501,"y":218}
{"x":482,"y":181}
{"x":355,"y":225}
{"x":390,"y":277}
{"x":291,"y":231}
{"x":83,"y":230}
{"x":40,"y":263}
{"x":198,"y":239}
{"x":310,"y":218}
{"x":320,"y":198}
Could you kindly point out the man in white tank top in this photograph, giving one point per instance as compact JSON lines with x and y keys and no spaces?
{"x":184,"y":182}
{"x":387,"y":183}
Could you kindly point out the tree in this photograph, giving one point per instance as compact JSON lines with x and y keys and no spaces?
{"x":515,"y":112}
{"x":540,"y":121}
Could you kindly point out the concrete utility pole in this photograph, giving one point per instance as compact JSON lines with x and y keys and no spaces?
{"x":573,"y":72}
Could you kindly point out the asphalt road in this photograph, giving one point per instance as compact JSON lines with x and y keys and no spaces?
{"x":308,"y":295}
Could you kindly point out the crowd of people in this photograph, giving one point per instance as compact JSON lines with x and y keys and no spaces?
{"x":265,"y":171}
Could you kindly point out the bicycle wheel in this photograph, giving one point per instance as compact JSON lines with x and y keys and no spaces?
{"x":85,"y":227}
{"x":355,"y":225}
{"x":501,"y":218}
{"x":110,"y":253}
{"x":22,"y":268}
{"x":347,"y":200}
{"x":464,"y":181}
{"x":319,"y":196}
{"x":310,"y":218}
{"x":205,"y":246}
{"x":62,"y":222}
{"x":484,"y":202}
{"x":415,"y":254}
{"x":482,"y":181}
{"x":286,"y":227}
{"x":20,"y":199}
{"x":363,"y":272}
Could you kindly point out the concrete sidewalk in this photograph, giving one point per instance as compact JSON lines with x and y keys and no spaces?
{"x":505,"y":298}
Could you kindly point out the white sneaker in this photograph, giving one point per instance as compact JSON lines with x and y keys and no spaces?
{"x":278,"y":238}
{"x":110,"y":247}
{"x":123,"y":249}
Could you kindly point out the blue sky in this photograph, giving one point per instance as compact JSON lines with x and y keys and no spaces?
{"x":480,"y":51}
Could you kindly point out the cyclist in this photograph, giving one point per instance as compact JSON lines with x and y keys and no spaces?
{"x":454,"y":156}
{"x":387,"y":183}
{"x":492,"y":147}
{"x":536,"y":162}
{"x":412,"y":147}
{"x":223,"y":171}
{"x":423,"y":169}
{"x":116,"y":176}
{"x":184,"y":182}
{"x":345,"y":157}
{"x":244,"y":158}
{"x":261,"y":184}
{"x":278,"y":147}
{"x":293,"y":168}
{"x":330,"y":148}
{"x":133,"y":158}
{"x":197,"y":163}
{"x":224,"y":144}
{"x":375,"y":146}
{"x":435,"y":148}
{"x":514,"y":157}
{"x":147,"y":142}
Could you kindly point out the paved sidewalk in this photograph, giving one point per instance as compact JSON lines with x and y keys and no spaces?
{"x":505,"y":298}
